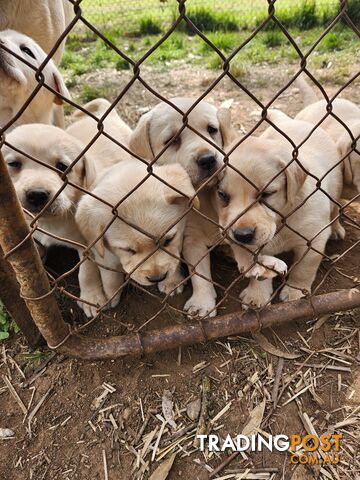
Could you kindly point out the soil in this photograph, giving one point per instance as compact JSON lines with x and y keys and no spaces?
{"x":69,"y":436}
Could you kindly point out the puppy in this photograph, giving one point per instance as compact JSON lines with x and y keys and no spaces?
{"x":149,"y":247}
{"x":349,"y":114}
{"x":158,"y":132}
{"x":40,"y":187}
{"x":18,"y":81}
{"x":280,"y":207}
{"x":85,"y":128}
{"x":42,"y":20}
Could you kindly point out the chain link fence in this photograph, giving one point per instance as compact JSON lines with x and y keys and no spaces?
{"x":229,"y":15}
{"x":182,"y":185}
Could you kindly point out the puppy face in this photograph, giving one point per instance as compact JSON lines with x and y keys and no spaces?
{"x":152,"y":208}
{"x":157,"y":129}
{"x":352,"y":161}
{"x":35,"y":184}
{"x":248,"y":208}
{"x":18,"y":80}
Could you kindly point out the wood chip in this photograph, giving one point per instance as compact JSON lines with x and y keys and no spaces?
{"x":167,"y":408}
{"x":15,"y":394}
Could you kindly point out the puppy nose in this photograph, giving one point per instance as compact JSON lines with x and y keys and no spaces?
{"x":157,"y":278}
{"x":244,"y":235}
{"x":37,"y":197}
{"x":207,"y":162}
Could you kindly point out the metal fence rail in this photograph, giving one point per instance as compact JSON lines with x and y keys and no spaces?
{"x":40,"y":291}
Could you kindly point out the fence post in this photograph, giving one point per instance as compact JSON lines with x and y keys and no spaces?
{"x":15,"y":304}
{"x":26,"y":263}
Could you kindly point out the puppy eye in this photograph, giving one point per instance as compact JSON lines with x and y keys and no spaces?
{"x":168,"y":241}
{"x":129,"y":250}
{"x":15,"y":164}
{"x":212,"y":130}
{"x":224,"y":197}
{"x":27,"y":51}
{"x":61,"y":166}
{"x":265,"y":195}
{"x":173,"y":141}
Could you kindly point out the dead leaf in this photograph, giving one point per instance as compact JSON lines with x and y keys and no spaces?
{"x":167,"y":408}
{"x":193,"y":409}
{"x":255,"y":419}
{"x":270,"y":348}
{"x":163,"y":469}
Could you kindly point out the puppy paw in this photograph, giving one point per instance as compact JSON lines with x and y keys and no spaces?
{"x":255,"y":296}
{"x":337,"y":231}
{"x":270,"y":267}
{"x":170,"y":286}
{"x":200,"y":306}
{"x":97,"y":297}
{"x":289,"y":293}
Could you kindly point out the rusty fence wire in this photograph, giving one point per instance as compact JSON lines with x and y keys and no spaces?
{"x":217,"y":306}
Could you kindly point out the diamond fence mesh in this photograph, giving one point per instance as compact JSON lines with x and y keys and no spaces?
{"x":148,"y":209}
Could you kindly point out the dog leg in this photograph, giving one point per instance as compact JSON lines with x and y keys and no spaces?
{"x":303,"y":274}
{"x":111,"y":282}
{"x":257,"y":294}
{"x":90,"y":288}
{"x":266,"y":268}
{"x":203,"y":300}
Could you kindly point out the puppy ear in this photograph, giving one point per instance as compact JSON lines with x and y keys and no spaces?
{"x":344,"y":147}
{"x":295,"y":178}
{"x":91,"y":173}
{"x":227,"y":132}
{"x":56,"y":81}
{"x":91,"y":223}
{"x":140,"y":142}
{"x":176,"y":175}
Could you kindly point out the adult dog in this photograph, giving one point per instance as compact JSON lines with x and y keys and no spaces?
{"x":18,"y":81}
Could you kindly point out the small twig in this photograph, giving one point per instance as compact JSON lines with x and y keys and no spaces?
{"x":15,"y":395}
{"x":106,"y":476}
{"x":206,"y":390}
{"x":279,"y":369}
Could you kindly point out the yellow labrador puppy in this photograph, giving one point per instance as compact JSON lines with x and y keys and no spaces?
{"x":85,"y":129}
{"x":202,"y":158}
{"x":40,"y":186}
{"x":18,"y":81}
{"x":148,"y":247}
{"x":156,"y":130}
{"x":281,"y":207}
{"x":349,"y":114}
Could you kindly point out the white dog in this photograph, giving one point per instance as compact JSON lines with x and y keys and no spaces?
{"x":148,"y":248}
{"x":275,"y":204}
{"x":349,"y":114}
{"x":39,"y":187}
{"x":201,"y":159}
{"x":18,"y":81}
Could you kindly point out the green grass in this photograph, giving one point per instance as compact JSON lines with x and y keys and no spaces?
{"x":149,"y":25}
{"x":7,"y":326}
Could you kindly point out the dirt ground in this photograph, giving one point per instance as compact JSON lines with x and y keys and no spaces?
{"x":104,"y":420}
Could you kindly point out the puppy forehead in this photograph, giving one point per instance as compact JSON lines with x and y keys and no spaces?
{"x":203,"y":112}
{"x":46,"y":140}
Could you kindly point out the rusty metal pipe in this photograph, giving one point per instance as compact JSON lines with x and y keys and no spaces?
{"x":26,"y":263}
{"x":209,"y":329}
